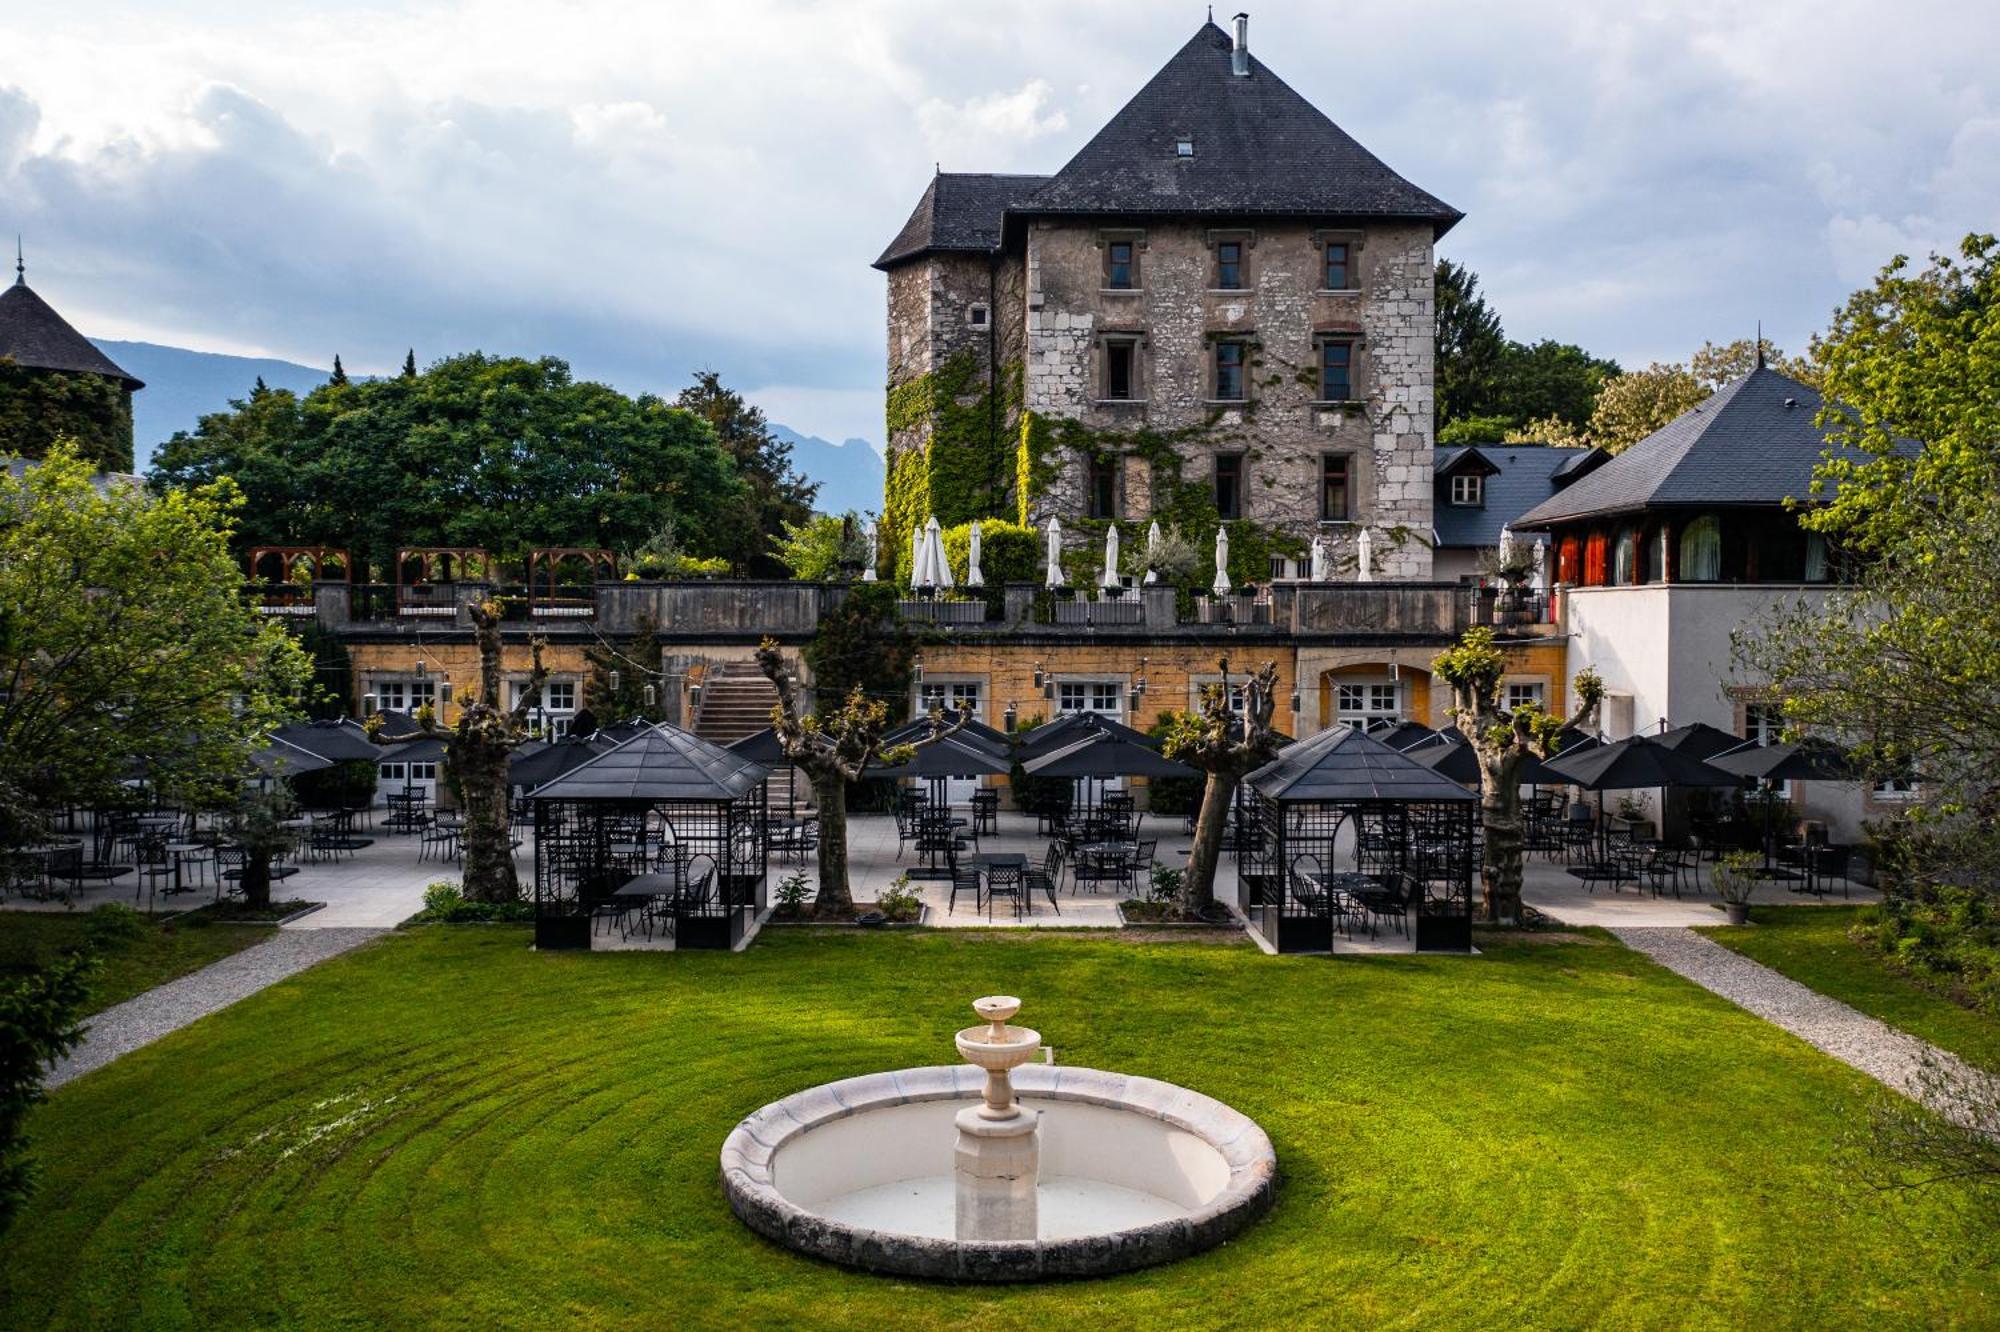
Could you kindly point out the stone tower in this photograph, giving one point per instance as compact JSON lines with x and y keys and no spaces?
{"x":54,"y":383}
{"x":1220,"y":310}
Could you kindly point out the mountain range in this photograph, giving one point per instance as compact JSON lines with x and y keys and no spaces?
{"x":182,"y":386}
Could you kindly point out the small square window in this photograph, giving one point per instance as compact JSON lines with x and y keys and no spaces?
{"x":1184,"y":148}
{"x":978,"y":316}
{"x":1468,"y":492}
{"x":1120,"y":273}
{"x":1229,"y":485}
{"x":1229,"y":371}
{"x":1525,"y":695}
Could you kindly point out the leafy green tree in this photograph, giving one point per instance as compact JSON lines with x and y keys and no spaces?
{"x":1900,"y":665}
{"x":126,"y":645}
{"x":774,"y":494}
{"x":862,"y":644}
{"x":39,"y":1024}
{"x":499,"y":453}
{"x":1470,"y":345}
{"x":1639,"y":402}
{"x":1547,"y":379}
{"x":256,"y":823}
{"x":820,"y":549}
{"x":1476,"y":430}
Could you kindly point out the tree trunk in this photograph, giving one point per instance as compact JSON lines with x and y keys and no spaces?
{"x":256,"y":879}
{"x":479,"y":761}
{"x":835,"y":898}
{"x":1500,"y":868}
{"x":1217,"y":794}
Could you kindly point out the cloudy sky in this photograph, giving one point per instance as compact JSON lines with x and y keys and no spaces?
{"x":645,"y":189}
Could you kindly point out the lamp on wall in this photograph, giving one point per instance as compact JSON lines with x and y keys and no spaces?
{"x":1010,"y":716}
{"x":1038,"y":675}
{"x":918,"y":666}
{"x":1139,"y":684}
{"x":1295,"y":702}
{"x":420,"y":668}
{"x":444,"y":691}
{"x":369,"y":704}
{"x":652,"y":696}
{"x":612,"y":678}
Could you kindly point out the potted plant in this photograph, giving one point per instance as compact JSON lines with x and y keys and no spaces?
{"x":1632,"y":813}
{"x":1735,"y":878}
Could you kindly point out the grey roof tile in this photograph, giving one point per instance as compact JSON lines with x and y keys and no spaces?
{"x":1260,"y":149}
{"x":1756,"y":441}
{"x":32,"y":334}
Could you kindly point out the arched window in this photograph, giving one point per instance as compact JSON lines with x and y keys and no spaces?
{"x":1701,"y":550}
{"x":1625,"y":560}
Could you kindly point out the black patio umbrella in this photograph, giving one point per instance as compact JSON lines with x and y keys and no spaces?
{"x":1700,"y":740}
{"x":1640,"y":762}
{"x":919,"y":729}
{"x":1065,"y":731}
{"x":1451,"y":755}
{"x":396,"y":725}
{"x":340,"y":741}
{"x":282,"y":759}
{"x":1574,"y":740}
{"x":540,"y":766}
{"x":1101,"y":756}
{"x":760,"y":747}
{"x":940,"y":760}
{"x":1400,"y":735}
{"x":1802,"y":761}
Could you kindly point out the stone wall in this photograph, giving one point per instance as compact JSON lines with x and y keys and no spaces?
{"x":1283,"y":429}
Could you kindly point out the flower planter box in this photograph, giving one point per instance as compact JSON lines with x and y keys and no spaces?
{"x":1230,"y":926}
{"x":803,"y":922}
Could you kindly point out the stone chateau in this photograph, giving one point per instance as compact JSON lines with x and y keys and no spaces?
{"x":1219,"y":310}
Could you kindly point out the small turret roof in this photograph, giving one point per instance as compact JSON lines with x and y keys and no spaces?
{"x":33,"y":335}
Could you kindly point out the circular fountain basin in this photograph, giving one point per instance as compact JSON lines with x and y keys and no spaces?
{"x":1134,"y":1172}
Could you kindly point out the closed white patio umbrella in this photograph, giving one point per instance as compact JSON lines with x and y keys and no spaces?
{"x":1364,"y":557}
{"x":1111,"y":556}
{"x":1055,"y":573}
{"x":940,"y":566}
{"x":1319,"y":559}
{"x":973,"y":577}
{"x":1538,"y":579}
{"x":918,"y":546}
{"x":1222,"y":583}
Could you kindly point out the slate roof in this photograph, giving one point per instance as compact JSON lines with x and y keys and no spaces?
{"x":662,"y":762}
{"x":32,"y":334}
{"x":1260,"y":149}
{"x":1342,"y":764}
{"x":959,"y":212}
{"x":1753,"y":443}
{"x":1518,"y":477}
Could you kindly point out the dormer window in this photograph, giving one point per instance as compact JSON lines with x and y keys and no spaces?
{"x":1184,"y":148}
{"x":1468,"y":492}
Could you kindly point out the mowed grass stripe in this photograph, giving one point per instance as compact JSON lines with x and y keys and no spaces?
{"x":1548,"y":1134}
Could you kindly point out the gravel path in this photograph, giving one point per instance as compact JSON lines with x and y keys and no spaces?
{"x":145,"y":1018}
{"x":1893,"y":1058}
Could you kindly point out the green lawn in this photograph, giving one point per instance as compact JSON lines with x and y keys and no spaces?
{"x":446,"y":1128}
{"x":154,"y":954}
{"x":1810,"y":944}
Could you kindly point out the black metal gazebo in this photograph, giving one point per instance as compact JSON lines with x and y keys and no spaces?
{"x":1411,"y":840}
{"x":663,"y":801}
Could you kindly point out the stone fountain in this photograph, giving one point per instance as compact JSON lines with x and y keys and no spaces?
{"x":998,"y":1169}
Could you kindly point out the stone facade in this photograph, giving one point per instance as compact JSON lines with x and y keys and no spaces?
{"x":1284,"y":429}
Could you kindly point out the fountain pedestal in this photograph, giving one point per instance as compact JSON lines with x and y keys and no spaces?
{"x":998,"y":1158}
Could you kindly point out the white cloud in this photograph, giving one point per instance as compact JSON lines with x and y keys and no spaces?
{"x":646,"y":189}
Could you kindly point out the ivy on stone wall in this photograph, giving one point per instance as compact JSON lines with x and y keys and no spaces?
{"x":38,"y":407}
{"x":963,"y":471}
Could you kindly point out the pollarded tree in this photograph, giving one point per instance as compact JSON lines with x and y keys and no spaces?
{"x":483,"y":740}
{"x":832,"y":749}
{"x":1504,"y":740}
{"x":1227,"y":745}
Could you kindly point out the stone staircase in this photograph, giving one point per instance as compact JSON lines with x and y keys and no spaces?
{"x":736,"y":701}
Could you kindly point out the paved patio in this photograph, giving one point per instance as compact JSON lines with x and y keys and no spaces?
{"x":383,"y":884}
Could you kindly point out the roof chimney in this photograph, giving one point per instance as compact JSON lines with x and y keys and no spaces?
{"x":1239,"y":55}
